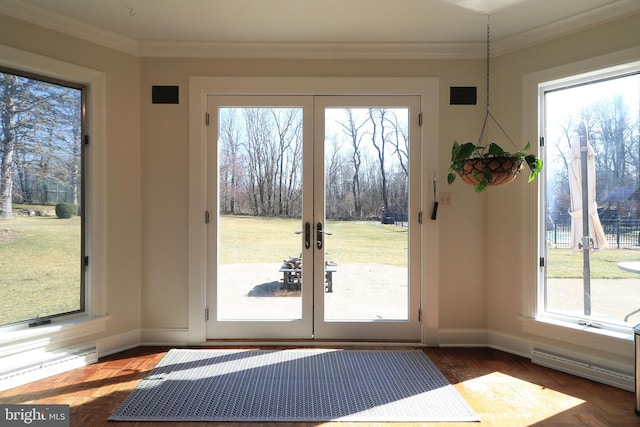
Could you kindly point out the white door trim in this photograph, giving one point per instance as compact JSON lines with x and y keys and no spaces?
{"x":201,"y":87}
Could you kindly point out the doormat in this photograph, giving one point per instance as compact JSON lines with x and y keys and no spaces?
{"x":302,"y":385}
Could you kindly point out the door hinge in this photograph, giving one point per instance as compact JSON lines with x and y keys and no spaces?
{"x":542,"y":141}
{"x":419,"y":315}
{"x":86,"y":140}
{"x":86,"y":261}
{"x":206,"y":217}
{"x":541,"y":262}
{"x":206,"y":314}
{"x":420,"y":119}
{"x":206,"y":119}
{"x":420,"y":217}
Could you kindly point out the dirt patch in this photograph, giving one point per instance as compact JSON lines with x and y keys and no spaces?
{"x":7,"y":235}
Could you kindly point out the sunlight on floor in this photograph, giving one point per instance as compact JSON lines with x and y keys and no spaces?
{"x":498,"y":393}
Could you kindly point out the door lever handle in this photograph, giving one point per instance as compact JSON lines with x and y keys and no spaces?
{"x":307,"y":235}
{"x":319,"y":235}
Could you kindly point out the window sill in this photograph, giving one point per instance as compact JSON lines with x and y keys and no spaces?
{"x":617,"y":343}
{"x":25,"y":339}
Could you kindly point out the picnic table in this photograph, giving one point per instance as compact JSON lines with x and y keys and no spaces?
{"x":292,"y":275}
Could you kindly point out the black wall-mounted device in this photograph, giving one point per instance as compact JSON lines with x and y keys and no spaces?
{"x":463,"y":95}
{"x":165,"y":94}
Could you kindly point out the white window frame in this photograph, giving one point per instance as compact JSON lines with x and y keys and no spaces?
{"x":17,"y":339}
{"x":534,"y":320}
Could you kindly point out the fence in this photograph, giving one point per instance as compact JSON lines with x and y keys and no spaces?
{"x":395,"y":218}
{"x":620,"y":233}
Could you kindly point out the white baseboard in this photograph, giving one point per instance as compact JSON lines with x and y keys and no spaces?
{"x":604,"y":371}
{"x":41,"y":363}
{"x":510,"y":344}
{"x":615,"y":373}
{"x":117,"y":343}
{"x":176,"y":337}
{"x":463,"y":337}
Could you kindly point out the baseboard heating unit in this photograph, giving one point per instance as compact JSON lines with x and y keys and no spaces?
{"x":47,"y":364}
{"x":597,"y":370}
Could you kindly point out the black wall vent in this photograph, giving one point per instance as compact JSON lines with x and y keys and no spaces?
{"x":463,"y":95}
{"x":165,"y":94}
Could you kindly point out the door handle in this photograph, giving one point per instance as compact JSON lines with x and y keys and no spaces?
{"x":319,"y":235}
{"x":307,"y":235}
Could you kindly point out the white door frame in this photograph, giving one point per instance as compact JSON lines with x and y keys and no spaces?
{"x":202,"y":87}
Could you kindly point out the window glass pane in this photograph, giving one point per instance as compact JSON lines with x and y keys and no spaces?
{"x":40,"y":199}
{"x":593,"y":283}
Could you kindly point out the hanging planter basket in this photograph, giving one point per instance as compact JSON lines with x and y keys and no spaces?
{"x":488,"y":164}
{"x":496,"y":170}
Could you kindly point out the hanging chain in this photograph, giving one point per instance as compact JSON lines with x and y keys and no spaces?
{"x":488,"y":114}
{"x":488,"y":60}
{"x":484,"y":124}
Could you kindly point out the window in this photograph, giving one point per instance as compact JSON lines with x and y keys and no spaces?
{"x":41,"y":199}
{"x":591,"y":129}
{"x":20,"y":343}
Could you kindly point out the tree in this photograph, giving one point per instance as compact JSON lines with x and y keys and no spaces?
{"x":611,"y":131}
{"x":9,"y":90}
{"x":351,"y":129}
{"x":335,"y":196}
{"x":40,"y":141}
{"x":67,"y":131}
{"x":293,"y":173}
{"x":377,"y":118}
{"x":262,"y":157}
{"x":400,"y":142}
{"x":288,"y":128}
{"x":229,"y":172}
{"x":360,"y":176}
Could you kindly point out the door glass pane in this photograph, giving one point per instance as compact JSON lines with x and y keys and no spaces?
{"x":593,"y":283}
{"x":366,"y":204}
{"x":259,"y":207}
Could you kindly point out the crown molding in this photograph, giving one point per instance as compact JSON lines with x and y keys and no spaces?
{"x":564,"y":27}
{"x":179,"y":49}
{"x":361,"y":51}
{"x":357,"y":51}
{"x":69,"y":26}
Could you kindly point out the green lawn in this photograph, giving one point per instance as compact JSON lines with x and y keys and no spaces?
{"x":565,"y":263}
{"x":40,"y":256}
{"x":39,"y":267}
{"x":246,"y":239}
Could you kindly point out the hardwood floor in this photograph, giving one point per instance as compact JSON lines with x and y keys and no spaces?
{"x":505,"y":390}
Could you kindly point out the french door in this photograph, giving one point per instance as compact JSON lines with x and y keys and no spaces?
{"x":313,"y":208}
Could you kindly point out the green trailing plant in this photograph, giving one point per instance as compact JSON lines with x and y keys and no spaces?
{"x":461,"y":153}
{"x":483,"y":165}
